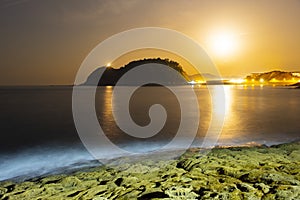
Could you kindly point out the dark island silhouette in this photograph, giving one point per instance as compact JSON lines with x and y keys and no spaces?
{"x":296,"y":85}
{"x":111,"y":76}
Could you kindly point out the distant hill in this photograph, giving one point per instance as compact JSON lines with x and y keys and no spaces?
{"x":272,"y":76}
{"x":111,"y":75}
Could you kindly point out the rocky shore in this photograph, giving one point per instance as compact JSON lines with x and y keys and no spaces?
{"x":222,"y":173}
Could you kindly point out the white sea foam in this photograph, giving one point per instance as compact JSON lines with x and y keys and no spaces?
{"x":52,"y":160}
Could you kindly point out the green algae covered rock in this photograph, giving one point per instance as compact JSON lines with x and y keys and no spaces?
{"x":222,"y":173}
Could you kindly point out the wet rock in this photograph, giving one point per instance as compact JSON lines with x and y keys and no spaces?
{"x":119,"y":181}
{"x":153,"y":195}
{"x":263,"y":187}
{"x":284,"y":192}
{"x":295,"y":155}
{"x":223,"y":173}
{"x":181,"y":193}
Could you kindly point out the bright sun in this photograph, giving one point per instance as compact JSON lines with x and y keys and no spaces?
{"x":223,"y":44}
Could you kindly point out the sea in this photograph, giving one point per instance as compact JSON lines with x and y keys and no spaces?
{"x":39,"y":136}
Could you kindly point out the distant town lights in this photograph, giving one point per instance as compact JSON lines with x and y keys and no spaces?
{"x":261,"y":80}
{"x":273,"y":80}
{"x":237,"y":81}
{"x":201,"y":82}
{"x":192,"y":82}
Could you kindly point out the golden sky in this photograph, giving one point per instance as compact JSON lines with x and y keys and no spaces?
{"x":44,"y":42}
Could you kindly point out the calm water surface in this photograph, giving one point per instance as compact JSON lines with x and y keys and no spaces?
{"x":38,"y":134}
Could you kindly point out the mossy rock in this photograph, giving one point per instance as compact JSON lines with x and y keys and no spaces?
{"x":284,"y":192}
{"x":233,"y":173}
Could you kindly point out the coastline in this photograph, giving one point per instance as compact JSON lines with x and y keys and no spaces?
{"x":256,"y":172}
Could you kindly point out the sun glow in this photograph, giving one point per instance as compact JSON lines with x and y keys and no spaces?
{"x":223,"y":43}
